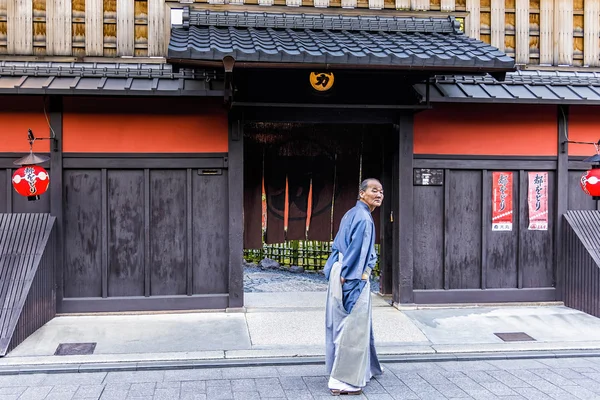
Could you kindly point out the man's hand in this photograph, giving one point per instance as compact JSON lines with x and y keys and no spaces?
{"x":342,"y":279}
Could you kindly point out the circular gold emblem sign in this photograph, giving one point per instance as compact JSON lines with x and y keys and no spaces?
{"x":321,"y":81}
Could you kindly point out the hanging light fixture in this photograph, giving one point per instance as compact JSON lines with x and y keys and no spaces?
{"x":31,"y":180}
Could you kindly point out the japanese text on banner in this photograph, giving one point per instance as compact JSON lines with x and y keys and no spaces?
{"x":502,"y":201}
{"x":537,"y":200}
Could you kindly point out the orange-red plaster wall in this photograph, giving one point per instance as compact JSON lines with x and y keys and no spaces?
{"x":486,"y":129}
{"x":17,"y":115}
{"x":584,"y":126}
{"x":144,"y":125}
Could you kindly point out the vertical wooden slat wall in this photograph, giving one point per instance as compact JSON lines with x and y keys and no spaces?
{"x":20,"y":27}
{"x":563,"y":32}
{"x":591,"y":23}
{"x":498,"y":23}
{"x":58,"y":28}
{"x":125,"y":27}
{"x":546,"y":39}
{"x":522,"y":32}
{"x":156,"y":15}
{"x":94,"y":28}
{"x":546,"y":32}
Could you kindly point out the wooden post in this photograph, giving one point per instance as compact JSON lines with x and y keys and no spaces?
{"x":19,"y":27}
{"x":522,"y":32}
{"x":498,"y":23}
{"x":403,"y":212}
{"x":59,"y":24}
{"x":56,"y":194}
{"x":388,"y":244}
{"x":563,"y":32}
{"x":236,"y":210}
{"x":473,"y":24}
{"x":94,"y":28}
{"x":591,"y":24}
{"x":156,"y":28}
{"x":125,"y":27}
{"x":546,"y":35}
{"x":562,"y":196}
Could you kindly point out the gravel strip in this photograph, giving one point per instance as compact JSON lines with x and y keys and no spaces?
{"x":265,"y":281}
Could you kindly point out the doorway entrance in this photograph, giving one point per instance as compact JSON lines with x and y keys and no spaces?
{"x":299,"y":180}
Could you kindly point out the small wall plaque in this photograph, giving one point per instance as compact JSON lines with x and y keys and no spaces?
{"x":428,"y":177}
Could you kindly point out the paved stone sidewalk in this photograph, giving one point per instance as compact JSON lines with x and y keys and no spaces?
{"x":534,"y":379}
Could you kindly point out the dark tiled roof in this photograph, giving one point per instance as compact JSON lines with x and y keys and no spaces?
{"x":321,"y":22}
{"x":362,"y":41}
{"x":105,"y":78}
{"x":554,"y":87}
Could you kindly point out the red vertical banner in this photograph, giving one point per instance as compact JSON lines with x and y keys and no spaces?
{"x":537,"y":198}
{"x":502,"y":201}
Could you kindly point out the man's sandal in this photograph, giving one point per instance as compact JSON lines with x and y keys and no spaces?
{"x":338,"y":392}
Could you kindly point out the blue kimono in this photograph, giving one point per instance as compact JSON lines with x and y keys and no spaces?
{"x":356,"y":241}
{"x":350,"y":346}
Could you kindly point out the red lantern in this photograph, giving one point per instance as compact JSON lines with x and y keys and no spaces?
{"x":590,"y":183}
{"x":31,"y":181}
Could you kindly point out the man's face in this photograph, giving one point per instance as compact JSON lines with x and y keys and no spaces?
{"x":373,"y":196}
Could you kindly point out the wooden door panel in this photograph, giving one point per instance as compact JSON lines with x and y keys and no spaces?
{"x":168,"y":272}
{"x":210,"y":233}
{"x":463,"y":229}
{"x":125,"y":233}
{"x":83,"y":233}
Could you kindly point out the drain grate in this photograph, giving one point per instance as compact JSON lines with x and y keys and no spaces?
{"x":515,"y":337}
{"x":75,"y":349}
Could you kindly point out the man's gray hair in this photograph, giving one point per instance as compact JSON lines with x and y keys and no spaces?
{"x":364,"y":185}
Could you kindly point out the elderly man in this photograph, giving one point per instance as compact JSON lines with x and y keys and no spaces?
{"x":350,"y":348}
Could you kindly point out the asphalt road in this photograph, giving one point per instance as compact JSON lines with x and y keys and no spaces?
{"x":535,"y":379}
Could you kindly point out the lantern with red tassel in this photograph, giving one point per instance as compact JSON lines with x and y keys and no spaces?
{"x":31,"y":181}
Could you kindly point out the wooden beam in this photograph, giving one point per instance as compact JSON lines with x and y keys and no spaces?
{"x":125,"y":27}
{"x":59,"y":24}
{"x":94,"y":28}
{"x":156,"y":28}
{"x":403,"y":230}
{"x":498,"y":24}
{"x":473,"y":23}
{"x":563,"y":32}
{"x":591,"y":23}
{"x":447,"y":5}
{"x":55,"y":110}
{"x":522,"y":32}
{"x":562,"y":197}
{"x":19,"y":27}
{"x":236,"y":210}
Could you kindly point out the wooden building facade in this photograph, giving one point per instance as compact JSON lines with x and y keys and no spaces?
{"x":151,"y":124}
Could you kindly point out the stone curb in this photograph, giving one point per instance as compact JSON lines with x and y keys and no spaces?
{"x":281,"y":361}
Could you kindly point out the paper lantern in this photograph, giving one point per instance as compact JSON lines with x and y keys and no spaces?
{"x":31,"y":181}
{"x":590,"y":183}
